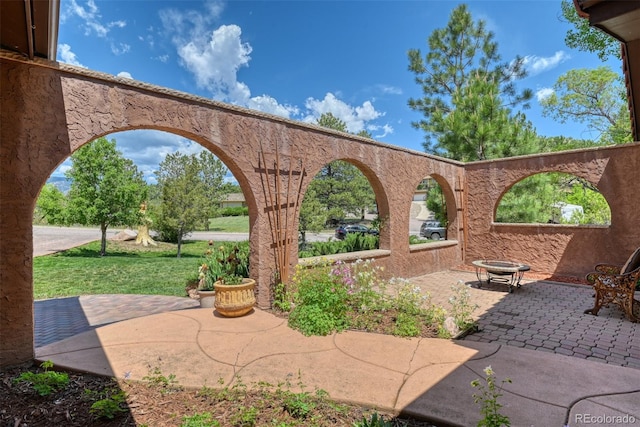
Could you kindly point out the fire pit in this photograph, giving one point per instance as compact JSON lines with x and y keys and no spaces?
{"x":506,"y":272}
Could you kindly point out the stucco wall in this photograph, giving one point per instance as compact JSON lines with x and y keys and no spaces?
{"x":50,"y":110}
{"x":559,"y":249}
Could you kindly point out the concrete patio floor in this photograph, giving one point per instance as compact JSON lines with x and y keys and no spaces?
{"x":567,"y":368}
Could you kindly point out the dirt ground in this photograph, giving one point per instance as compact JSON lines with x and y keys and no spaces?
{"x":160,"y":402}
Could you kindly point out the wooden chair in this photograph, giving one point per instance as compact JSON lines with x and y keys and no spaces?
{"x":615,"y":284}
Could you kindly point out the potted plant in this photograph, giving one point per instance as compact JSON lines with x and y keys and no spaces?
{"x":226,"y":270}
{"x":205,"y":289}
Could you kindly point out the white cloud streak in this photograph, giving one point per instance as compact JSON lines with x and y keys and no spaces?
{"x":544,"y":93}
{"x":214,"y":56}
{"x":67,"y":56}
{"x":90,"y":14}
{"x":536,"y":65}
{"x":354,"y":117}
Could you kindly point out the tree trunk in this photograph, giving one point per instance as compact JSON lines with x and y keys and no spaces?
{"x":179,"y":243}
{"x":103,"y":242}
{"x":143,"y":229}
{"x":143,"y":236}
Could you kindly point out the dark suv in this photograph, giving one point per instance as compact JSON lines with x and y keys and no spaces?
{"x":433,"y":230}
{"x":343,"y":230}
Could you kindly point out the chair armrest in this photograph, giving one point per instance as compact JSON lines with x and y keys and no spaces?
{"x":608,"y":268}
{"x":602,"y":270}
{"x":626,"y":282}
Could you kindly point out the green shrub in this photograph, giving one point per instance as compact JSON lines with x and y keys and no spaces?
{"x":354,"y":242}
{"x":407,"y":325}
{"x":47,"y":382}
{"x":109,"y":406}
{"x":414,"y":240}
{"x":204,"y":419}
{"x":235,"y":211}
{"x":320,"y":301}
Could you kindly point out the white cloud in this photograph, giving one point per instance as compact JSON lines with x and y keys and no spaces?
{"x":536,"y":65}
{"x":66,"y":55}
{"x":544,"y":93}
{"x":90,"y":14}
{"x":215,"y":56}
{"x":270,"y":105}
{"x":389,"y":90}
{"x":125,"y":74}
{"x":120,"y":49}
{"x":379,"y":131}
{"x":147,"y":148}
{"x":214,"y":60}
{"x":354,"y":117}
{"x":162,"y":58}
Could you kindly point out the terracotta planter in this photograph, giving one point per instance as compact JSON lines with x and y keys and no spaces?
{"x":235,"y":300}
{"x":207,"y":298}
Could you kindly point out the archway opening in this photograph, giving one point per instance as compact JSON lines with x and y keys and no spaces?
{"x":553,"y":198}
{"x":76,"y":268}
{"x":339,"y":212}
{"x":428,"y":220}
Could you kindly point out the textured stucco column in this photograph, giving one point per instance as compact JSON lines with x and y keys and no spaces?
{"x":16,"y":246}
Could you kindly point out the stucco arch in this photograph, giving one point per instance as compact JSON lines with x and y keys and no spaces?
{"x":511,"y":184}
{"x":82,"y":105}
{"x":49,"y":110}
{"x":377,"y":187}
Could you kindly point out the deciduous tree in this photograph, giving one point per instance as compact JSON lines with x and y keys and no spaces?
{"x":51,"y":206}
{"x":587,"y":38}
{"x":595,"y":97}
{"x":106,"y":188}
{"x":339,"y":189}
{"x":190,"y":186}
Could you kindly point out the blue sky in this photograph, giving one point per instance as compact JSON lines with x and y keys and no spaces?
{"x":299,"y":59}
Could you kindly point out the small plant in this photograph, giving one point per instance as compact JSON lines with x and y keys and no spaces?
{"x":204,"y":419}
{"x":407,"y":325}
{"x":375,"y":420}
{"x":109,"y":406}
{"x":320,"y":301}
{"x":166,"y":383}
{"x":487,"y":397}
{"x":461,"y":307}
{"x":281,"y":298}
{"x":299,"y":405}
{"x":229,"y":263}
{"x":47,"y":382}
{"x":246,"y":417}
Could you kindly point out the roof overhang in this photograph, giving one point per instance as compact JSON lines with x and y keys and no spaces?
{"x":30,"y":27}
{"x":620,"y":19}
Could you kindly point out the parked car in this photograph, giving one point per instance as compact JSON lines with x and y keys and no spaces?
{"x":433,"y":230}
{"x":343,"y":230}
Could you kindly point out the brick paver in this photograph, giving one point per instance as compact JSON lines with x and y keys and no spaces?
{"x":543,"y":315}
{"x":56,"y":319}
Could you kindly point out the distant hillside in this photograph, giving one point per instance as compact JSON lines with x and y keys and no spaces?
{"x":62,"y":183}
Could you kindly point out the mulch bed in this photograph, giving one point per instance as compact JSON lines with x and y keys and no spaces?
{"x":157,"y":405}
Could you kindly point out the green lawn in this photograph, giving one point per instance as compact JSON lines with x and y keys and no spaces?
{"x":126,"y":269}
{"x":230,"y":224}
